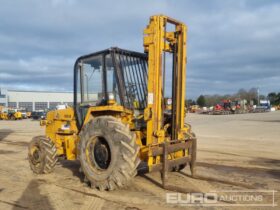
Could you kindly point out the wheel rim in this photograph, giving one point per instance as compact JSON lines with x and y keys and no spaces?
{"x":35,"y":155}
{"x":99,"y":153}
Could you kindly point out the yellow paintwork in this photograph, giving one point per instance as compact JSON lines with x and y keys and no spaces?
{"x":15,"y":116}
{"x":3,"y":116}
{"x":157,"y":41}
{"x":28,"y":114}
{"x":154,"y":32}
{"x":61,"y":125}
{"x":114,"y":110}
{"x":194,"y":108}
{"x":62,"y":130}
{"x":18,"y":115}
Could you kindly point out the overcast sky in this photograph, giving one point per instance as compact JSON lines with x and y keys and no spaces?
{"x":231,"y":44}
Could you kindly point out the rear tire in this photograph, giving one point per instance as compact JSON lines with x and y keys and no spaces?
{"x":42,"y":155}
{"x":108,"y":153}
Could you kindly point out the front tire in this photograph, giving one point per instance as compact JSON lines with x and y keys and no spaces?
{"x":108,"y":153}
{"x":42,"y":155}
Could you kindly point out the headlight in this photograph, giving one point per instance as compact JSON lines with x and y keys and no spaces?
{"x":111,"y":96}
{"x":169,"y":101}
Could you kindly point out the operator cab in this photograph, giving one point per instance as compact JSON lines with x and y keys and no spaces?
{"x":110,"y":77}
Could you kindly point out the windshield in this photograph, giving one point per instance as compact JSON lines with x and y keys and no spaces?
{"x":111,"y":76}
{"x":92,"y":78}
{"x":98,"y":80}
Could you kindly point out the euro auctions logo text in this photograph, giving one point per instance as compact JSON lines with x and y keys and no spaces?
{"x":224,"y":198}
{"x":191,"y":198}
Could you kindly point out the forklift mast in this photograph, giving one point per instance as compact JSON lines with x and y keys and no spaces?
{"x":158,"y":40}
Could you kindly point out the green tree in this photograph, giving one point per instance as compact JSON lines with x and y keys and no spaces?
{"x":201,"y":101}
{"x":273,"y":97}
{"x":278,"y":99}
{"x":262,"y":97}
{"x":189,"y":102}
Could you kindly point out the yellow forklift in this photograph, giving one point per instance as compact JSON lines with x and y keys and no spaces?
{"x":3,"y":115}
{"x":14,"y":114}
{"x":119,"y":117}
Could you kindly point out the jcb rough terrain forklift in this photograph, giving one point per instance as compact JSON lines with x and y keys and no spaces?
{"x":119,"y":119}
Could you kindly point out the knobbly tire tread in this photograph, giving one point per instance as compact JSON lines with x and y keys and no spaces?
{"x":123,"y":148}
{"x":48,"y":154}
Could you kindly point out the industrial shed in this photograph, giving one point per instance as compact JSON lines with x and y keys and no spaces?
{"x":34,"y":100}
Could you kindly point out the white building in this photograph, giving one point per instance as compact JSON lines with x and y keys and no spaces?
{"x":34,"y":100}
